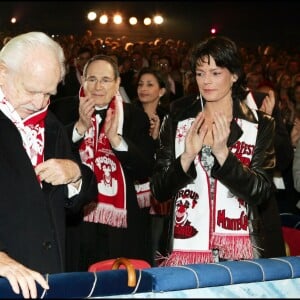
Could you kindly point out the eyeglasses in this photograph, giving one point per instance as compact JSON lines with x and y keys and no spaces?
{"x":163,"y":65}
{"x":92,"y":80}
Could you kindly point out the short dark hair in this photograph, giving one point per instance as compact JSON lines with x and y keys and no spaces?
{"x":226,"y":55}
{"x":162,"y":81}
{"x":106,"y":58}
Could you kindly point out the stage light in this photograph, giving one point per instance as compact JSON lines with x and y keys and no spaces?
{"x":133,"y":21}
{"x":213,"y":31}
{"x":103,"y":19}
{"x":147,"y":21}
{"x":158,"y":20}
{"x":118,"y":19}
{"x":109,"y":17}
{"x":92,"y":16}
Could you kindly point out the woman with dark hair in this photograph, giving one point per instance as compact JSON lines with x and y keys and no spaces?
{"x":215,"y":160}
{"x":153,"y":98}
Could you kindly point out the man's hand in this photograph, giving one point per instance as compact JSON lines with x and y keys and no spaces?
{"x":111,"y":126}
{"x":58,"y":171}
{"x":86,"y":110}
{"x":20,"y":277}
{"x":268,"y":103}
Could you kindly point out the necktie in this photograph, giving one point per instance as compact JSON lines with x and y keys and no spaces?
{"x":102,"y":114}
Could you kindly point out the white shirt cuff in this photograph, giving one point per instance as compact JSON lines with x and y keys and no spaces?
{"x":122,"y":146}
{"x":72,"y":191}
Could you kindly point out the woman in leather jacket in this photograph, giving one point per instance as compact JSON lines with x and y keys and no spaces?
{"x":215,"y":161}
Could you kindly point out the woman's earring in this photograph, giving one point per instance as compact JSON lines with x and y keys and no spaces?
{"x":201,"y":102}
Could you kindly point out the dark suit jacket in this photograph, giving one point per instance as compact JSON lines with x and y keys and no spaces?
{"x":32,"y":219}
{"x":66,"y":109}
{"x":137,"y":164}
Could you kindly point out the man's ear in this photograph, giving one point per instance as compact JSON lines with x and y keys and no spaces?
{"x":235,"y":77}
{"x":118,"y":83}
{"x":3,"y":72}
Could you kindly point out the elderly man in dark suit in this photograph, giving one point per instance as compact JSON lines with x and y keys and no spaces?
{"x":40,"y":177}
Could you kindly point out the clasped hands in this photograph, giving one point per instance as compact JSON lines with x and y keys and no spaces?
{"x":194,"y":141}
{"x":86,"y":110}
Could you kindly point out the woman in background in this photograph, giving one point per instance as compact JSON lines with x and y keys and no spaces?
{"x":152,"y":91}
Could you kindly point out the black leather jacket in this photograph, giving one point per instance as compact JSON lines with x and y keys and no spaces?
{"x":254,"y":184}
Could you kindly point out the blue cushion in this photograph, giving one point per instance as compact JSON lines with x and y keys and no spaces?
{"x":84,"y":284}
{"x":224,"y":273}
{"x":114,"y":282}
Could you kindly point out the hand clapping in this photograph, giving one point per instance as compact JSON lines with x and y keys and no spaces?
{"x":197,"y":135}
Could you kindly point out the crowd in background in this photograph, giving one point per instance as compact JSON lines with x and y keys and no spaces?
{"x":266,"y":67}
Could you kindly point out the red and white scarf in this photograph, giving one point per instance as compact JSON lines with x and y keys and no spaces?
{"x":96,"y":152}
{"x":32,"y":130}
{"x":202,"y":224}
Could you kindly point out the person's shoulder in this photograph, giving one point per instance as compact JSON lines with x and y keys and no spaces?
{"x":133,"y":110}
{"x":185,"y":106}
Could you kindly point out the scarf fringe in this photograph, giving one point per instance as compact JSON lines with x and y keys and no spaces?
{"x":105,"y":214}
{"x":230,"y":248}
{"x":178,"y":258}
{"x":233,"y":247}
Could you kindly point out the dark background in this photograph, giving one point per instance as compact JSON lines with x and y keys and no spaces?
{"x":247,"y":22}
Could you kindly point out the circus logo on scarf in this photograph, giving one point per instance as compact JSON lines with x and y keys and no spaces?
{"x":108,"y":185}
{"x":186,"y":200}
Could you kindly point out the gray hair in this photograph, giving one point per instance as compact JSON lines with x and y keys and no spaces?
{"x":17,"y":48}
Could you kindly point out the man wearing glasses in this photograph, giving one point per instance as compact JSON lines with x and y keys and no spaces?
{"x":113,"y":140}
